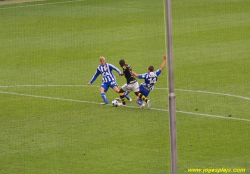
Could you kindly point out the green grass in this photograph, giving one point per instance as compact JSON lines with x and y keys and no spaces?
{"x":59,"y":127}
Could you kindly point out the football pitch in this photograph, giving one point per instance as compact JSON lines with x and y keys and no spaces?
{"x":52,"y":122}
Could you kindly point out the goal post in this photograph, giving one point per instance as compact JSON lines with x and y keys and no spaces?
{"x":172,"y":108}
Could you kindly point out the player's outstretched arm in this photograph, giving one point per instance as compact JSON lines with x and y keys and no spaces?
{"x":164,"y":62}
{"x":136,"y":75}
{"x":94,"y":77}
{"x":116,"y":69}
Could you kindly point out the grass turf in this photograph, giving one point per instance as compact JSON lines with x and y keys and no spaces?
{"x":56,"y":129}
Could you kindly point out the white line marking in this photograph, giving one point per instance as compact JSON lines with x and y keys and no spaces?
{"x":54,"y":98}
{"x":217,"y":116}
{"x":205,"y":92}
{"x":81,"y":101}
{"x":12,"y":86}
{"x":42,"y":4}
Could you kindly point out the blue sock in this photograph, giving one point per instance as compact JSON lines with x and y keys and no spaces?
{"x":104,"y":98}
{"x":126,"y":94}
{"x":139,"y":102}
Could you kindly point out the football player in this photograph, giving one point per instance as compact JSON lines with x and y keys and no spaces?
{"x":150,"y":78}
{"x":108,"y":78}
{"x":131,"y":85}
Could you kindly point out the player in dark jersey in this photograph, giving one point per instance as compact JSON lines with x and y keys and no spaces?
{"x":131,"y":85}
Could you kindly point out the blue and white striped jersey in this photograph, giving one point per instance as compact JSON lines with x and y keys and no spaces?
{"x":150,"y":79}
{"x":107,"y":74}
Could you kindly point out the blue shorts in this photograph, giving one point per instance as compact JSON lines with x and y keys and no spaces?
{"x":144,"y":91}
{"x":106,"y":85}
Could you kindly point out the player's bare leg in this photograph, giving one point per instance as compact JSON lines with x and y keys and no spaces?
{"x":115,"y":88}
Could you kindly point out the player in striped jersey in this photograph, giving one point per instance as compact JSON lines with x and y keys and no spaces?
{"x":108,"y":78}
{"x":150,"y":79}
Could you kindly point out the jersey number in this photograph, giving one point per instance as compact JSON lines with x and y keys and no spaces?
{"x":152,"y":80}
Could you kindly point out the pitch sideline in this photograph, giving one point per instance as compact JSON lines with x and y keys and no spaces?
{"x":184,"y":90}
{"x":52,"y":3}
{"x":81,"y":101}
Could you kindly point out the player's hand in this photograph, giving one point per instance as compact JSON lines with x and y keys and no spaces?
{"x":165,"y":57}
{"x":89,"y":83}
{"x":121,"y":75}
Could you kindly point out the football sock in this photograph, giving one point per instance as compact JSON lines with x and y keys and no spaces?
{"x":139,"y":102}
{"x":142,"y":97}
{"x":122,"y":96}
{"x":127,"y":97}
{"x":104,"y":97}
{"x":126,"y":93}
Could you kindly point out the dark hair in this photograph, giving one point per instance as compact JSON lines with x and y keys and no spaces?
{"x":122,"y":62}
{"x":151,"y":68}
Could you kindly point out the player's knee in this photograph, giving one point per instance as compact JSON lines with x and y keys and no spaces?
{"x":116,"y":89}
{"x":136,"y":99}
{"x":102,"y":90}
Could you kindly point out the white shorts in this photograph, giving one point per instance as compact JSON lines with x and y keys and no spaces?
{"x":131,"y":87}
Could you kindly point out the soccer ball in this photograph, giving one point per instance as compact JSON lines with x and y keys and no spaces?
{"x":115,"y":103}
